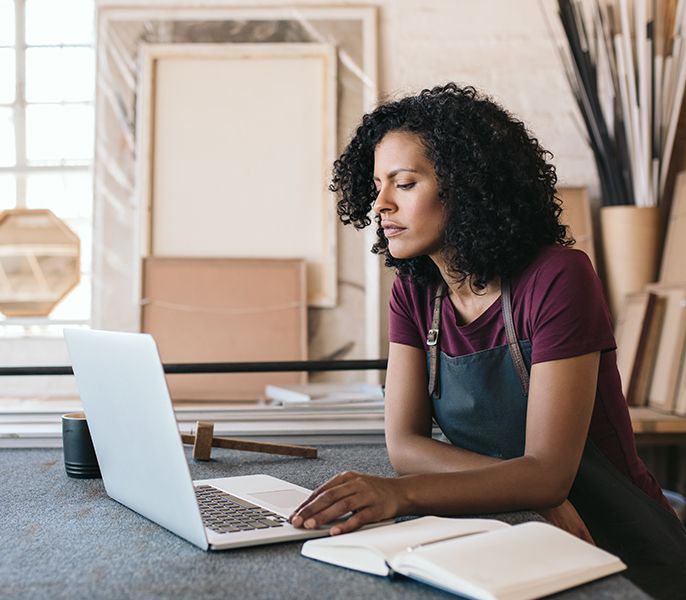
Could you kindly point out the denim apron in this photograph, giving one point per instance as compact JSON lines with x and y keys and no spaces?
{"x":480,"y":401}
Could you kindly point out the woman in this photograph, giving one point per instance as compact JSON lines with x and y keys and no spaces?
{"x":498,"y":330}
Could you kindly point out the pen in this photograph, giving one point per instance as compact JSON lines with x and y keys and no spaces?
{"x":443,"y":539}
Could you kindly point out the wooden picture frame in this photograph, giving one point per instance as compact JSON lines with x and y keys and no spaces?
{"x":40,"y":261}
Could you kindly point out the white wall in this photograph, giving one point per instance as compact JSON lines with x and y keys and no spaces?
{"x":503,"y":47}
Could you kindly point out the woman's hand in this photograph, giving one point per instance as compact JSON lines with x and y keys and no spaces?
{"x":368,"y":498}
{"x":565,"y":517}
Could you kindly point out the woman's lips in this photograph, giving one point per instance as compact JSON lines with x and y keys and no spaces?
{"x":392,"y":230}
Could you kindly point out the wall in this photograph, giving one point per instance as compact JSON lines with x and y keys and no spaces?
{"x":503,"y":47}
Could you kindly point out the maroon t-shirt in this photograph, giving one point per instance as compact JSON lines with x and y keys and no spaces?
{"x":559,"y":306}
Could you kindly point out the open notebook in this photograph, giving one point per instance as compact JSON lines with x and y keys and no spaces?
{"x":476,"y":558}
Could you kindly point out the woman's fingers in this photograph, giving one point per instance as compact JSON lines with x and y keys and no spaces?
{"x":585,"y":535}
{"x":326,"y":506}
{"x":355,"y":522}
{"x":336,"y":480}
{"x":369,"y":498}
{"x":329,"y":513}
{"x":566,"y":517}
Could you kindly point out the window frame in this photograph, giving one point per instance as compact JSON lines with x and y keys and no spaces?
{"x":44,"y":327}
{"x":40,"y":342}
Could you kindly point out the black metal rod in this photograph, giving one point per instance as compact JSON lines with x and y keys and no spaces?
{"x":237,"y":367}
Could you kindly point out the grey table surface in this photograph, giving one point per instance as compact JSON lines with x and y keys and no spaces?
{"x":64,"y":538}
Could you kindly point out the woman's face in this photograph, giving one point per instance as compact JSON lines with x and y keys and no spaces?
{"x":407,"y":201}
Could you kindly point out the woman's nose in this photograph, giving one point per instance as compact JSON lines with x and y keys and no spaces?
{"x":383,"y":202}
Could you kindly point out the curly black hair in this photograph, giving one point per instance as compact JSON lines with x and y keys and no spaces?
{"x":497,"y":188}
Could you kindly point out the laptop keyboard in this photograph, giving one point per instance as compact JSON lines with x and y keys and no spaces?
{"x":225,"y":513}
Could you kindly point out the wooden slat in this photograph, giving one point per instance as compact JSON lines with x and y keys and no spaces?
{"x":647,"y":420}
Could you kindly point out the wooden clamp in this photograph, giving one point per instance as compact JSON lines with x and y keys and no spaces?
{"x":203,"y":441}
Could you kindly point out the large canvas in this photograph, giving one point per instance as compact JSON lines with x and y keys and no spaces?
{"x":233,"y":169}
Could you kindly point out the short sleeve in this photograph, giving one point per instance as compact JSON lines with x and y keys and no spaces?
{"x":569,"y":315}
{"x":402,"y":316}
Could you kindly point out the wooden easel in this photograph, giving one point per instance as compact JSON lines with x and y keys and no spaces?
{"x":203,"y":441}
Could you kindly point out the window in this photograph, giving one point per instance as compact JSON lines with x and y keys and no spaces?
{"x":47,"y":83}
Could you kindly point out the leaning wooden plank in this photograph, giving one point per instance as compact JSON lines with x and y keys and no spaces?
{"x":679,"y":84}
{"x":673,"y":268}
{"x":670,"y":348}
{"x":576,"y":215}
{"x":637,"y":333}
{"x":680,"y":403}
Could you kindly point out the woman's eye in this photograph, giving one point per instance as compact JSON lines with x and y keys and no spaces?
{"x":405,"y":186}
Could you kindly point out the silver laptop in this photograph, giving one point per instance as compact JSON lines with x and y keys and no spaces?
{"x":130,"y":416}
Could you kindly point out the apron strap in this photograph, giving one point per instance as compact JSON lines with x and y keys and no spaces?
{"x":432,"y":342}
{"x":515,"y":350}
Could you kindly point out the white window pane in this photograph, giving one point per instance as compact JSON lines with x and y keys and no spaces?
{"x":59,"y":22}
{"x":59,"y":74}
{"x":7,"y":151}
{"x":8,"y":191}
{"x":77,"y":303}
{"x":7,"y":70}
{"x":57,"y":133}
{"x":68,"y":195}
{"x":6,"y":22}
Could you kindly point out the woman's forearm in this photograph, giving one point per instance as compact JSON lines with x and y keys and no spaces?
{"x":419,"y":454}
{"x":522,"y":483}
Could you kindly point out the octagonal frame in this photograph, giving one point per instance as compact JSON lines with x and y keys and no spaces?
{"x":41,"y":249}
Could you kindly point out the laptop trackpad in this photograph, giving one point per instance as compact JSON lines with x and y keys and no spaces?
{"x":284,"y":499}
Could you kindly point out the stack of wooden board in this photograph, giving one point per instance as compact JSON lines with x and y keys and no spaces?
{"x":651,"y":330}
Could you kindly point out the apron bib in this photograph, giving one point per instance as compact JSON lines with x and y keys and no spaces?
{"x":480,"y":401}
{"x":482,"y":406}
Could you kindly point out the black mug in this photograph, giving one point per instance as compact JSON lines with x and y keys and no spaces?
{"x":79,"y":455}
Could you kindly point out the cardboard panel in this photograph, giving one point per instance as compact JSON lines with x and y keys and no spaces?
{"x":673,"y":268}
{"x":576,"y":214}
{"x":225,"y":310}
